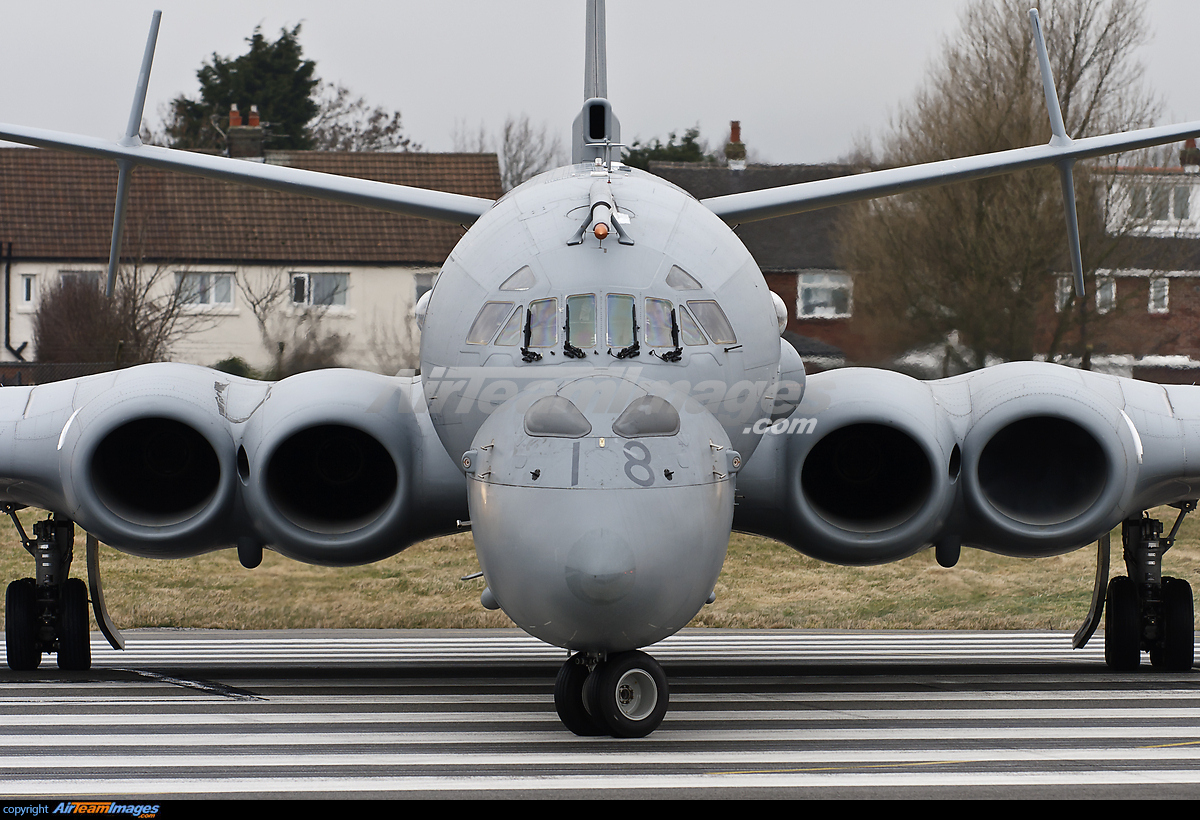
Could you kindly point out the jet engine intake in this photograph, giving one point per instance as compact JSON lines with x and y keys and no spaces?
{"x":867,"y":477}
{"x":146,"y":462}
{"x":326,"y":463}
{"x":873,"y":472}
{"x":1042,"y":470}
{"x":1050,"y":465}
{"x":155,"y":471}
{"x":331,"y":478}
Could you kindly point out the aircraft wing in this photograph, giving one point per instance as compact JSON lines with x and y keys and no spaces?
{"x":751,"y":206}
{"x":381,"y":196}
{"x":333,"y":467}
{"x":1024,"y":458}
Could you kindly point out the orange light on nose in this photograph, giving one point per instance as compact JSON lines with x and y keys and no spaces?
{"x":601,"y":230}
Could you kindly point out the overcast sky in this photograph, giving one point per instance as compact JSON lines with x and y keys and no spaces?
{"x":805,"y":78}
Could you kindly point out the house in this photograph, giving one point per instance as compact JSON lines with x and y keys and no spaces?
{"x":797,"y":255}
{"x":257,"y":272}
{"x":1146,"y":305}
{"x":1143,"y":317}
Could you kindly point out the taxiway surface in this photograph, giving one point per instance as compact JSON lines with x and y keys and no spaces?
{"x":470,"y":713}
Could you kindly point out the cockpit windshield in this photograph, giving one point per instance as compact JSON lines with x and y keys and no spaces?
{"x":543,"y":323}
{"x":581,"y":313}
{"x":658,"y":323}
{"x":621,"y":321}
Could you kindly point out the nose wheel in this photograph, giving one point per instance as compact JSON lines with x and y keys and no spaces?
{"x":625,"y":695}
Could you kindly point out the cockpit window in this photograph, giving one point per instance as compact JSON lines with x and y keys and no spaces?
{"x":658,"y":323}
{"x":543,"y":323}
{"x":511,"y":335}
{"x":581,"y":313}
{"x":556,"y":417}
{"x":521,"y":280}
{"x":679,"y":279}
{"x":647,"y":416}
{"x":488,"y":322}
{"x":689,"y":330}
{"x":713,"y":320}
{"x":621,"y":321}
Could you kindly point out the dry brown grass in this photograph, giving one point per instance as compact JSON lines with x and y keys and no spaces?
{"x":764,"y":585}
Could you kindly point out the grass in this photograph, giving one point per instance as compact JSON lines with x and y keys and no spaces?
{"x":763,"y":585}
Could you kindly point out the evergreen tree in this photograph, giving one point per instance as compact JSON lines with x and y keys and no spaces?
{"x":687,"y":149}
{"x":274,"y":76}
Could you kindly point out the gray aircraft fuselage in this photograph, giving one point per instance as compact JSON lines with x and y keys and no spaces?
{"x":590,"y":539}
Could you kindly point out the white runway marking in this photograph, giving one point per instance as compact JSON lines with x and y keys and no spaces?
{"x":378,"y":713}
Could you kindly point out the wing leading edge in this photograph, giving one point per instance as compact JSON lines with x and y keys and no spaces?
{"x":810,"y":196}
{"x":381,"y":196}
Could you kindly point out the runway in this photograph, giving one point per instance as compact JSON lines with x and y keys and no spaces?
{"x":470,"y":713}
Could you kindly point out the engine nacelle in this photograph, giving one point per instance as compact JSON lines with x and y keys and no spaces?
{"x":327,"y":465}
{"x":1021,"y":459}
{"x":146,"y":463}
{"x":1051,"y":457}
{"x":170,"y":460}
{"x":871,"y":474}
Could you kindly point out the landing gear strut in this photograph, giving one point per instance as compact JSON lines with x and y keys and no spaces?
{"x":623,"y":695}
{"x":48,"y":613}
{"x":1144,"y":610}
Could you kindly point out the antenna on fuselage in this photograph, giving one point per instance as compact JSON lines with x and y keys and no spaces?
{"x":596,"y":130}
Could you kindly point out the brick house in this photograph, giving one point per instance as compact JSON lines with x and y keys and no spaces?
{"x":1143,"y":316}
{"x":224,"y":245}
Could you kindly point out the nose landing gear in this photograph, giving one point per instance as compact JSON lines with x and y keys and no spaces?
{"x":624,"y":695}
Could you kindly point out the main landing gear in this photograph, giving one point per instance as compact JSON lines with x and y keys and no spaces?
{"x":623,"y":695}
{"x":1145,"y":611}
{"x":48,"y":613}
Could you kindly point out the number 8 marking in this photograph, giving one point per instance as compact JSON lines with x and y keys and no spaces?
{"x":632,"y":462}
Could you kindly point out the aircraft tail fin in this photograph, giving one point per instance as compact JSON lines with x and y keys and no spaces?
{"x":595,"y":57}
{"x":596,"y":131}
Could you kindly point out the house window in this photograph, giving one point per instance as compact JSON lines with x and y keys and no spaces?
{"x":206,"y":288}
{"x":28,"y":289}
{"x":320,"y":289}
{"x":88,"y":277}
{"x":825,"y":295}
{"x":1106,"y":294}
{"x":1160,"y":202}
{"x":1064,"y":288}
{"x":424,"y":284}
{"x":1159,"y":296}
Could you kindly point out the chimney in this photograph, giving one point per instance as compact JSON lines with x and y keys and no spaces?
{"x":1189,"y":157}
{"x":245,"y":141}
{"x":735,"y":151}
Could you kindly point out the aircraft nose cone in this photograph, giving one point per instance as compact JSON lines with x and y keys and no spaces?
{"x":600,"y":567}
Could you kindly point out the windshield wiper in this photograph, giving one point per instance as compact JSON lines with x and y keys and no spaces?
{"x":570,"y":350}
{"x":528,"y":355}
{"x":635,"y":349}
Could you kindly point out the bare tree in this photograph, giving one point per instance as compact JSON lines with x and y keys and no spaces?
{"x":294,"y":336}
{"x":392,"y":344}
{"x":524,"y":151}
{"x":347,"y":123}
{"x":147,"y":315}
{"x":976,"y":258}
